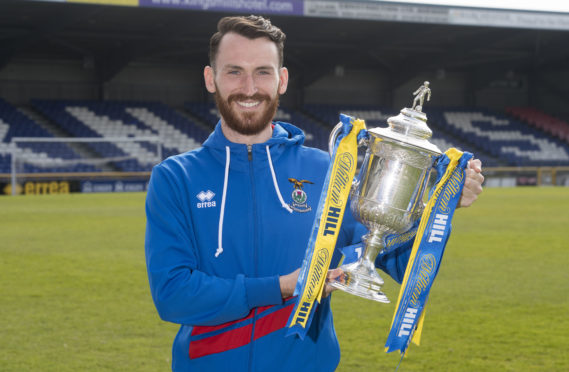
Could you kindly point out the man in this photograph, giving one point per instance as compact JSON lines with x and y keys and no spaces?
{"x":223,"y":245}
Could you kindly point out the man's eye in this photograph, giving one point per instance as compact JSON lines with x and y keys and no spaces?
{"x":233,"y":72}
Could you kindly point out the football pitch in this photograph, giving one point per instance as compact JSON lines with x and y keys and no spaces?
{"x":74,"y":294}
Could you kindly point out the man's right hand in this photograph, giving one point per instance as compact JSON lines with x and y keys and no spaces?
{"x":288,"y":283}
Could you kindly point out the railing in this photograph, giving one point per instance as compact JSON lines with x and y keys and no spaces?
{"x":56,"y":183}
{"x":495,"y":177}
{"x":526,"y":176}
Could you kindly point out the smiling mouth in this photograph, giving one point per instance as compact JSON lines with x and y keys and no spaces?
{"x":249,"y":104}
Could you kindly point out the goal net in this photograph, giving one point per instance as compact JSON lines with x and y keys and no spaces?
{"x":42,"y":164}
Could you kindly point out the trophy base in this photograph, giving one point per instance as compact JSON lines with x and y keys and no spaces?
{"x":360,"y":282}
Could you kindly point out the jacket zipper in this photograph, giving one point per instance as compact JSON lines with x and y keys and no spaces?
{"x":250,"y":152}
{"x":255,"y":246}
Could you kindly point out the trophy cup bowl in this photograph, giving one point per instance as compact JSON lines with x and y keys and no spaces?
{"x":387,"y":195}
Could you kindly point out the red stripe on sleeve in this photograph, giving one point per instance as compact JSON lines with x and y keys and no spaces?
{"x":225,"y":341}
{"x":272,"y":322}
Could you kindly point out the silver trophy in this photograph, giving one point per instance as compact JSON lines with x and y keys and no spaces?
{"x":387,"y":195}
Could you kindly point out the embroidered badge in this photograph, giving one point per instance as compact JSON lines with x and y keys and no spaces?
{"x":299,"y":196}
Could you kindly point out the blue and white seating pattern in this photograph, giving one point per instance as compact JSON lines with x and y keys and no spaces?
{"x":33,"y":156}
{"x":506,"y":138}
{"x":114,"y":119}
{"x":495,"y":138}
{"x":106,"y":127}
{"x":205,"y":111}
{"x":374,"y":117}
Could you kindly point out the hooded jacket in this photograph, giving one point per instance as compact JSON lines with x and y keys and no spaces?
{"x":223,"y":223}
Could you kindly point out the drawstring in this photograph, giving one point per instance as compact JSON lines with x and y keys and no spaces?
{"x":222,"y":212}
{"x":283,"y":204}
{"x":220,"y":229}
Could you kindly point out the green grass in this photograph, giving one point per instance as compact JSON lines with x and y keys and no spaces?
{"x":74,"y":294}
{"x":499,"y":303}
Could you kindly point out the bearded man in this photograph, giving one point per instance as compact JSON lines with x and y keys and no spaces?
{"x":224,"y":238}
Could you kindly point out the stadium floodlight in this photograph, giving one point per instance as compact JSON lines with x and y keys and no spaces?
{"x":83,"y":158}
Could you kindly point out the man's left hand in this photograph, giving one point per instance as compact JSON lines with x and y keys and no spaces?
{"x":472,"y":184}
{"x":336,"y":274}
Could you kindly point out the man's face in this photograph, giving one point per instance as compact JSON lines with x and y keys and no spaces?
{"x":246,"y":82}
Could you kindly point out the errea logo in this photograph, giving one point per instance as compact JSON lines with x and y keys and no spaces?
{"x":205,"y":199}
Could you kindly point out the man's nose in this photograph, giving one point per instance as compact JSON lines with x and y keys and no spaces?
{"x":249,"y":85}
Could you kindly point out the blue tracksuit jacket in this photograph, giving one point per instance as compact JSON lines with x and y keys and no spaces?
{"x":223,"y":222}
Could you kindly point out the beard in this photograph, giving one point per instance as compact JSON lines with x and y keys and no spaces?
{"x":249,"y":123}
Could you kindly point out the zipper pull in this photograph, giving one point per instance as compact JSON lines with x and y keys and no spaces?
{"x":250,"y":152}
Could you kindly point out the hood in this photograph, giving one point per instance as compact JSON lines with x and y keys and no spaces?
{"x":284,"y":135}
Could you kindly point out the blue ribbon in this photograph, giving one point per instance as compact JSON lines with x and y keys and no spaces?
{"x":427,"y":260}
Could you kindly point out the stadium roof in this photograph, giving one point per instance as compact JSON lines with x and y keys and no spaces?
{"x":531,"y":5}
{"x":110,"y":37}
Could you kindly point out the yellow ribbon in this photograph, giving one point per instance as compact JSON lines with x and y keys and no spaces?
{"x":337,"y":193}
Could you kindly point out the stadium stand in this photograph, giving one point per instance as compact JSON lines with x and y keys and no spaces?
{"x":502,"y":137}
{"x":329,"y":114}
{"x":204,"y":111}
{"x":115,"y":53}
{"x":541,"y":120}
{"x":13,"y":123}
{"x":377,"y":117}
{"x":125,"y":119}
{"x":493,"y":137}
{"x":525,"y":138}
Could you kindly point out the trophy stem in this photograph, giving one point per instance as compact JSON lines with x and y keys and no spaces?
{"x":374,"y":244}
{"x":360,"y":277}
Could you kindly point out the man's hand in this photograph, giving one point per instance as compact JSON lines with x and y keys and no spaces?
{"x":472,"y":184}
{"x":336,"y":274}
{"x":288,"y":282}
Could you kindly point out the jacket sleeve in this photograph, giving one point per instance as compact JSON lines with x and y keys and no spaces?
{"x":351,"y":233}
{"x":181,"y":293}
{"x":395,"y":261}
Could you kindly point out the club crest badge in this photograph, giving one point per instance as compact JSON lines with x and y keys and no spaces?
{"x":299,"y":197}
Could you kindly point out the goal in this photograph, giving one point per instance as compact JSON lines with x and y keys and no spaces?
{"x":48,"y":159}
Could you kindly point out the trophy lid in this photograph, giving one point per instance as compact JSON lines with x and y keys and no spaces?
{"x":409,"y":128}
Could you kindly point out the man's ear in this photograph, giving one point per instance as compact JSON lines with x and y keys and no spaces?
{"x":209,"y":78}
{"x":283,"y":80}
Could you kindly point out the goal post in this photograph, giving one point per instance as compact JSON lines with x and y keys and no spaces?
{"x":82,"y":158}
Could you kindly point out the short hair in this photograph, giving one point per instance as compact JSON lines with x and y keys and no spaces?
{"x":251,"y":27}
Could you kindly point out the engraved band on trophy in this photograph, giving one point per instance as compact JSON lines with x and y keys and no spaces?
{"x":387,"y":194}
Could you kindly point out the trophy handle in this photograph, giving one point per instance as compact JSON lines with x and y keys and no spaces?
{"x":332,"y":141}
{"x":333,"y":137}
